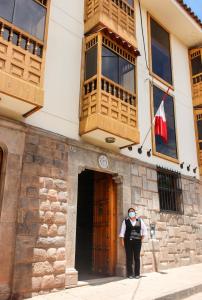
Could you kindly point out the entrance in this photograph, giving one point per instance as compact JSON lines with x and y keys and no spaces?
{"x":96,"y":225}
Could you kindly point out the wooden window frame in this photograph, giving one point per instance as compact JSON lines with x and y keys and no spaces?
{"x":154,"y":151}
{"x":171,"y":86}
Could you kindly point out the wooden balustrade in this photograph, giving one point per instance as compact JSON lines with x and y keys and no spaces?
{"x":21,"y":67}
{"x":196,"y":66}
{"x":117,"y":15}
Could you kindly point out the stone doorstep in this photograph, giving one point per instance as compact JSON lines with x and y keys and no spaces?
{"x":183,"y":294}
{"x":95,"y":281}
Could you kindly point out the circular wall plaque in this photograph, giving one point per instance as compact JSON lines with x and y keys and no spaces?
{"x":103,"y":161}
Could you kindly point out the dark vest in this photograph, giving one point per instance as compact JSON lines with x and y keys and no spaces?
{"x":133,"y":232}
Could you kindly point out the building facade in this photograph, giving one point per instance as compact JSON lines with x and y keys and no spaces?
{"x":80,"y":84}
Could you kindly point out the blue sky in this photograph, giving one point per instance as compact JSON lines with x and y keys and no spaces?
{"x":196,"y":6}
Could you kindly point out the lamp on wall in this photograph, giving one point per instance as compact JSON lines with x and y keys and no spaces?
{"x":130,"y":148}
{"x":149,"y":153}
{"x":182,"y":165}
{"x":188,"y":168}
{"x":139,"y":150}
{"x":152,"y":231}
{"x":110,"y":140}
{"x":194,"y":170}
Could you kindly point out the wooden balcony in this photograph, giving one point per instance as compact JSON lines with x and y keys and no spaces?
{"x":196,"y":66}
{"x":107,"y":109}
{"x":117,"y":15}
{"x":21,"y":71}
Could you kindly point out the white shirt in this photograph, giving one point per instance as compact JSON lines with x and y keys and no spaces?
{"x":123,"y":228}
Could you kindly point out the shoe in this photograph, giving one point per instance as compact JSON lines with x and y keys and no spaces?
{"x":130,"y":277}
{"x":137,"y":277}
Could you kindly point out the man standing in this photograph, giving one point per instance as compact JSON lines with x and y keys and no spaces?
{"x":133,"y":231}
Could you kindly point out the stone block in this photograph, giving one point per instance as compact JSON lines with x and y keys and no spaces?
{"x":53,"y":230}
{"x":45,"y":205}
{"x":136,"y":181}
{"x":151,"y":174}
{"x":60,"y":254}
{"x":43,"y":231}
{"x":55,"y":206}
{"x":49,"y":217}
{"x":51,"y":242}
{"x":63,"y":207}
{"x":60,"y":185}
{"x":152,"y":186}
{"x":134,"y":170}
{"x":62,"y":230}
{"x":60,"y":281}
{"x":63,"y":196}
{"x":42,"y":268}
{"x":59,"y":267}
{"x":60,"y":218}
{"x":136,"y":195}
{"x":39,"y":255}
{"x":48,"y":282}
{"x":52,"y":195}
{"x":36,"y":283}
{"x":142,"y":170}
{"x":51,"y":254}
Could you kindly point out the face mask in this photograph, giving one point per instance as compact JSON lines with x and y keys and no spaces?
{"x":132,"y":214}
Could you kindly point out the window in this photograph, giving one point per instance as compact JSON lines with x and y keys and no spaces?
{"x":199,"y":127}
{"x":91,"y":63}
{"x":160,"y":52}
{"x":29,"y":15}
{"x":196,"y":64}
{"x":170,"y":190}
{"x":118,"y":69}
{"x":170,"y":148}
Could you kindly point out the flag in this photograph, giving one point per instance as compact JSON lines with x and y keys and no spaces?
{"x":161,"y":124}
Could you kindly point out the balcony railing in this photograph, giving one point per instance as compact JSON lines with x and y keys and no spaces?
{"x":197,"y":89}
{"x":196,"y":66}
{"x":107,"y":108}
{"x":21,"y":65}
{"x":116,"y":15}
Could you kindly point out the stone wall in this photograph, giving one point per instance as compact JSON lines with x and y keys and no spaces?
{"x":42,"y":212}
{"x":178,"y":239}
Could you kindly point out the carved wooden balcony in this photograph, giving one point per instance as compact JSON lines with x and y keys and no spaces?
{"x":108,"y":110}
{"x":196,"y":66}
{"x":21,"y":71}
{"x":117,"y":15}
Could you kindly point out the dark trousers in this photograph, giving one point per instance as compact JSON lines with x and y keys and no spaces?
{"x":133,"y":248}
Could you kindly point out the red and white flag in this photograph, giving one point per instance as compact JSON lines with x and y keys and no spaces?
{"x":160,"y":123}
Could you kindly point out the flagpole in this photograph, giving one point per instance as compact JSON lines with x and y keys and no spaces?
{"x":163,"y":99}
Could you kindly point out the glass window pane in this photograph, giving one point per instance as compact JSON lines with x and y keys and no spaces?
{"x":131,"y":2}
{"x":110,"y":64}
{"x":30,"y":16}
{"x":196,"y":63}
{"x":91,"y":63}
{"x":126,"y":75}
{"x":6,"y":9}
{"x":160,"y":46}
{"x":169,"y":149}
{"x":199,"y":125}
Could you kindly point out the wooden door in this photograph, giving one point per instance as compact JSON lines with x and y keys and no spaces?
{"x":104,"y":225}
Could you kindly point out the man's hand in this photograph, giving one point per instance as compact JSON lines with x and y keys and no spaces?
{"x":122,"y":242}
{"x":142,"y":237}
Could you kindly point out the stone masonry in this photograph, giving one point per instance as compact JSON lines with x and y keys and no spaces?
{"x":178,"y":239}
{"x":39,"y":211}
{"x":42,"y":213}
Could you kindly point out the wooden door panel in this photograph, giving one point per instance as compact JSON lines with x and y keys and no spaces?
{"x":104,"y":231}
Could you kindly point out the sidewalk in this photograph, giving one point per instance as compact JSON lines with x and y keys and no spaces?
{"x":172,"y":284}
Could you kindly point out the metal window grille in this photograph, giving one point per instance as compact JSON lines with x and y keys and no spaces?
{"x":170,"y":190}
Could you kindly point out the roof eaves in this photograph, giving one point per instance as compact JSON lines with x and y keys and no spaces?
{"x":190,"y":12}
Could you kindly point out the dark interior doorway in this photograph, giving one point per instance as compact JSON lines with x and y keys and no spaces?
{"x":84,"y":234}
{"x":96,"y":233}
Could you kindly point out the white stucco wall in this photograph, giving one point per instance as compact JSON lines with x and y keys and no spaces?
{"x":183,"y":103}
{"x":62,"y":70}
{"x":60,"y":113}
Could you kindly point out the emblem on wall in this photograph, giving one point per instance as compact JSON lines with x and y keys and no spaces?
{"x":103,"y":161}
